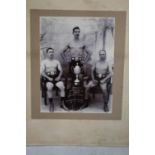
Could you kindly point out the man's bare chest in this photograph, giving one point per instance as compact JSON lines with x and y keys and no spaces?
{"x":101,"y":67}
{"x":76,"y":45}
{"x":50,"y":65}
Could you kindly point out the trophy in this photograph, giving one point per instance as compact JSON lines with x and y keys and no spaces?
{"x":77,"y":71}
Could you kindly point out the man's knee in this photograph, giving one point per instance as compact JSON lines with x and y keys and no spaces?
{"x":60,"y":85}
{"x":103,"y":87}
{"x":49,"y":85}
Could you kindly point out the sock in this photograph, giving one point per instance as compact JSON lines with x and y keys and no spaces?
{"x":50,"y":100}
{"x":51,"y":104}
{"x":62,"y":100}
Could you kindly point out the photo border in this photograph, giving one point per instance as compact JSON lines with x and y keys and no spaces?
{"x":119,"y":52}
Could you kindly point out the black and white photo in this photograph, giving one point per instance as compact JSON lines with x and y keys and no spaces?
{"x":76,"y":64}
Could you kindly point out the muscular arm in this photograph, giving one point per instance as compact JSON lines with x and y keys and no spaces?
{"x":60,"y":71}
{"x":86,"y":55}
{"x":64,"y":52}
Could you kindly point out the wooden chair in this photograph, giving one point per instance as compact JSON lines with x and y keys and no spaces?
{"x":97,"y":90}
{"x":44,"y":89}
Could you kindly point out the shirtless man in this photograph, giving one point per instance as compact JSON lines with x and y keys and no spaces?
{"x":51,"y":72}
{"x":74,"y":51}
{"x":101,"y":72}
{"x":76,"y":48}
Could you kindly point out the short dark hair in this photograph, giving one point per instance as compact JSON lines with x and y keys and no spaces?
{"x":50,"y":48}
{"x":76,"y":28}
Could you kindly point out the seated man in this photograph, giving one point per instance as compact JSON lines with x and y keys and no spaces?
{"x":101,"y":73}
{"x":51,"y":72}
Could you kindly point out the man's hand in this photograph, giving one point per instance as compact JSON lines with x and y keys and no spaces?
{"x":103,"y":81}
{"x":57,"y":79}
{"x":50,"y":79}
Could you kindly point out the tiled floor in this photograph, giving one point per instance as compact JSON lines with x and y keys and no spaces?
{"x":76,"y":150}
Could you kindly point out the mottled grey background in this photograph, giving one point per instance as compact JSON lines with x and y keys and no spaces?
{"x":96,"y":32}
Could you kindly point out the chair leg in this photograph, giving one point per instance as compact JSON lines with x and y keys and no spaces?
{"x":44,"y":95}
{"x":93,"y":95}
{"x":45,"y":100}
{"x":43,"y":91}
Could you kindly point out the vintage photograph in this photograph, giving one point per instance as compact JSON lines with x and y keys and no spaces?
{"x":76,"y":64}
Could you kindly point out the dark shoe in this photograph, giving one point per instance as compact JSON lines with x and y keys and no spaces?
{"x":63,"y":106}
{"x":86,"y":104}
{"x":51,"y":108}
{"x":106,"y":109}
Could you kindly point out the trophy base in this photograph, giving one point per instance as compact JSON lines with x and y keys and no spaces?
{"x":75,"y":98}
